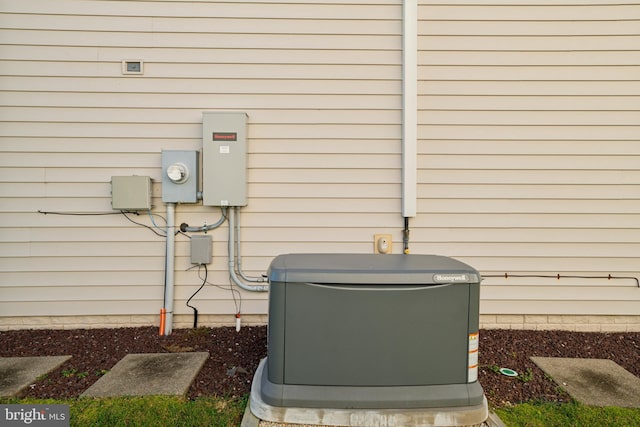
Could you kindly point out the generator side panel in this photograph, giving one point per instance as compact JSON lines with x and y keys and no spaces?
{"x":276,"y":332}
{"x":224,"y":159}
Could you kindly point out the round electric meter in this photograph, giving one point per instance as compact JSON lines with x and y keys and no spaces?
{"x":178,"y":173}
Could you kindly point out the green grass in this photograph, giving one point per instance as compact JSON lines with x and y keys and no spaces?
{"x":149,"y":411}
{"x":218,"y":412}
{"x":567,"y":415}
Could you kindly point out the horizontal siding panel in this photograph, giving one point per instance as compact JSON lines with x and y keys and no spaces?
{"x":560,"y":293}
{"x":528,"y":162}
{"x":94,"y":145}
{"x":205,"y":25}
{"x":338,"y":190}
{"x":246,"y":56}
{"x":82,"y":293}
{"x":529,"y":12}
{"x":245,"y":9}
{"x":250,"y":305}
{"x":569,"y":280}
{"x":533,"y":250}
{"x":324,"y":161}
{"x":51,"y":161}
{"x":323,"y":146}
{"x":114,"y":130}
{"x":520,"y":235}
{"x":202,"y":101}
{"x":82,"y":249}
{"x":21,"y":175}
{"x":538,"y":147}
{"x":528,"y":28}
{"x":204,"y":85}
{"x":548,"y":264}
{"x":538,"y":118}
{"x":78,"y":235}
{"x":334,"y":176}
{"x":565,"y":73}
{"x":322,"y":131}
{"x":529,"y":176}
{"x":530,"y":102}
{"x":37,"y":220}
{"x":534,"y":2}
{"x":482,"y":42}
{"x":331,"y":220}
{"x":533,"y":88}
{"x":448,"y":235}
{"x":547,"y":306}
{"x":266,"y":72}
{"x":508,"y":206}
{"x":150,"y":146}
{"x":495,"y":250}
{"x":510,"y":132}
{"x":194,"y":117}
{"x":253,"y":219}
{"x":547,"y":221}
{"x":328,"y":205}
{"x":211,"y":40}
{"x":89,"y":264}
{"x":60,"y":279}
{"x":533,"y":58}
{"x":549,"y":192}
{"x":113,"y":306}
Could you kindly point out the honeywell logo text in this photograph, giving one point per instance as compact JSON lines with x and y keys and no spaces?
{"x":450,"y":278}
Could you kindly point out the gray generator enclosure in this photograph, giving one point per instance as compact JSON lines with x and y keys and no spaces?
{"x":371,"y":331}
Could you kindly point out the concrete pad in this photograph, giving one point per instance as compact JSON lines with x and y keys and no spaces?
{"x":150,"y":374}
{"x":596,"y":382}
{"x":17,"y":373}
{"x":272,"y":416}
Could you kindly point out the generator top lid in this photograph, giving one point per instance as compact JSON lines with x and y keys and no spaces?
{"x":370,"y":269}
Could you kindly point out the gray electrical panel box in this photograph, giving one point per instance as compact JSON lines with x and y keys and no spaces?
{"x":224,"y":159}
{"x":131,"y":193}
{"x":179,"y":176}
{"x":372,"y":331}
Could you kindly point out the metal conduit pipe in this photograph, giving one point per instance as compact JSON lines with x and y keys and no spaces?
{"x":166,"y":320}
{"x":236,"y":213}
{"x":232,"y":267}
{"x":204,"y":228}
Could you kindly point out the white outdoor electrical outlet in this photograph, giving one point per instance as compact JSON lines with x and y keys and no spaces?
{"x":382,"y":243}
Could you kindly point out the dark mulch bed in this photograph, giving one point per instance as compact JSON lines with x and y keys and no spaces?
{"x":95,"y":351}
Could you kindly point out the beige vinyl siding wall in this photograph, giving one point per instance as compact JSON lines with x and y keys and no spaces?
{"x":319,"y":82}
{"x":530,"y":151}
{"x":528,"y":145}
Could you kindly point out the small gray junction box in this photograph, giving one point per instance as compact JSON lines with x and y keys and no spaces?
{"x":372,"y":331}
{"x":201,"y":249}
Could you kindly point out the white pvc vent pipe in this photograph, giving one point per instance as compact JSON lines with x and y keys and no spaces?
{"x":409,"y":107}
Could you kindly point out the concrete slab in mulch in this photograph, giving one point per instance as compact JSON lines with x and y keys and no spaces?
{"x":596,"y":382}
{"x":150,"y":374}
{"x":16,"y":373}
